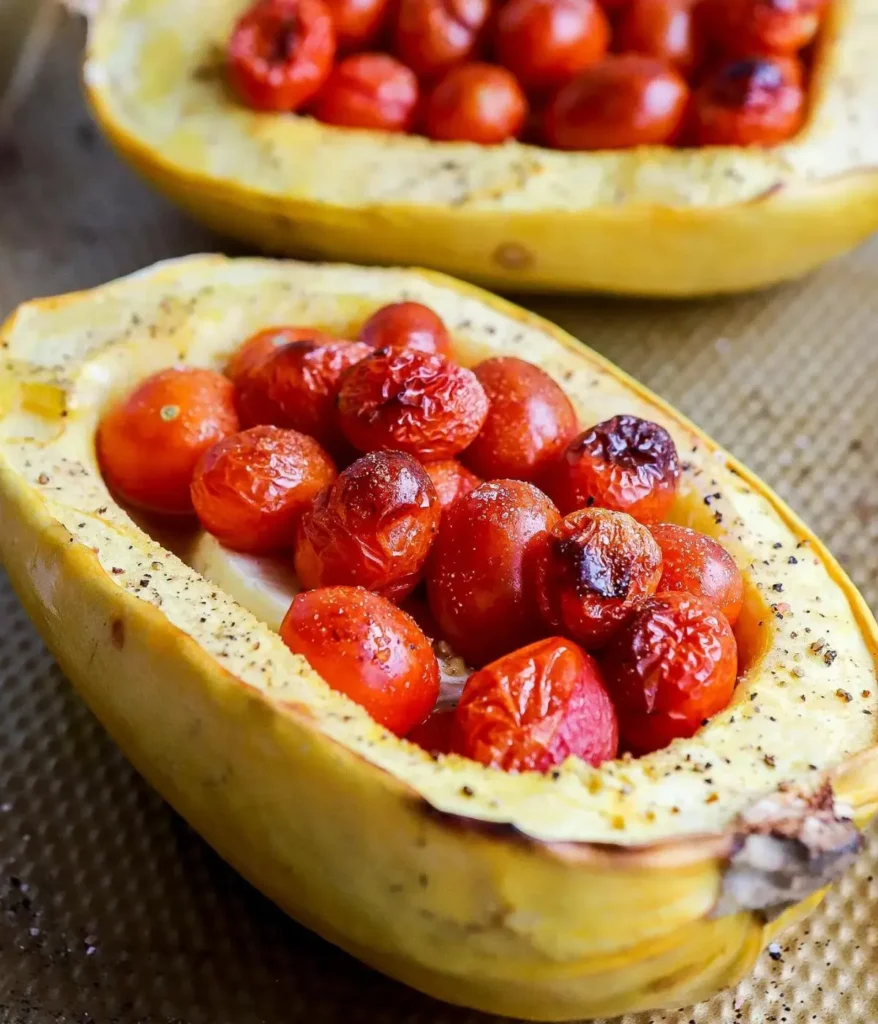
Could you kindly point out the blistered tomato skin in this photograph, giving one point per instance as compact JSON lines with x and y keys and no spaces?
{"x":373,"y":527}
{"x":369,"y":90}
{"x":530,"y":421}
{"x":407,"y":325}
{"x":263,"y":344}
{"x":545,"y":43}
{"x":281,"y":52}
{"x":433,"y":35}
{"x":479,"y":103}
{"x":357,"y":22}
{"x":669,"y":669}
{"x":594,"y":572}
{"x":296,"y":387}
{"x":757,"y":101}
{"x":411,"y":401}
{"x":624,"y":463}
{"x":367,"y":648}
{"x":532,"y":709}
{"x":451,"y":480}
{"x":745,"y":28}
{"x":660,"y":28}
{"x":621,"y":102}
{"x":250,"y":489}
{"x":697,"y":564}
{"x":435,"y":734}
{"x":481,"y":575}
{"x":149,"y":443}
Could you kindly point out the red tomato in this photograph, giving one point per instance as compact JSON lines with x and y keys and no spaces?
{"x":622,"y":102}
{"x":357,"y":22}
{"x":369,"y":90}
{"x":250,"y":489}
{"x":367,"y":648}
{"x":596,"y":569}
{"x":297,"y":387}
{"x":407,"y":325}
{"x":660,"y":28}
{"x":530,"y":421}
{"x":432,"y":35}
{"x":475,"y":103}
{"x":747,"y":28}
{"x":434,"y":735}
{"x":257,"y":349}
{"x":149,"y":444}
{"x":480,"y":578}
{"x":451,"y":480}
{"x":411,"y":401}
{"x":534,"y":708}
{"x":753,"y":102}
{"x":373,"y":527}
{"x":545,"y":43}
{"x":696,"y":563}
{"x":671,"y":667}
{"x":281,"y":52}
{"x":625,"y":463}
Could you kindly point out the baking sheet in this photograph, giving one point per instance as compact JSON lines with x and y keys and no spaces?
{"x":111,"y":910}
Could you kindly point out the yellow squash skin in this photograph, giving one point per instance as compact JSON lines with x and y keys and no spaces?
{"x":581,"y":893}
{"x":652,"y":221}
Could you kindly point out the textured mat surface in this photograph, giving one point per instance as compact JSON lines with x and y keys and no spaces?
{"x":111,"y":910}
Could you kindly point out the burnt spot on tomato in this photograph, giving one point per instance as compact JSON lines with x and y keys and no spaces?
{"x":747,"y":81}
{"x":594,"y":570}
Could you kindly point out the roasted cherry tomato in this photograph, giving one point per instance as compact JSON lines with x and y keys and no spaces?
{"x":297,"y":386}
{"x":357,"y":22}
{"x":281,"y":52}
{"x":660,"y":28}
{"x":250,"y":489}
{"x":434,"y":735}
{"x":451,"y":480}
{"x":475,"y":103}
{"x":480,"y":578}
{"x":532,"y":709}
{"x":407,"y":325}
{"x":669,"y":668}
{"x":696,"y":563}
{"x":625,"y":463}
{"x":373,"y":527}
{"x":149,"y":444}
{"x":595,"y":570}
{"x":745,"y":28}
{"x":411,"y":401}
{"x":621,"y":102}
{"x":257,"y":349}
{"x":758,"y":101}
{"x":530,"y":421}
{"x":369,"y":90}
{"x":432,"y":35}
{"x":367,"y":648}
{"x":545,"y":43}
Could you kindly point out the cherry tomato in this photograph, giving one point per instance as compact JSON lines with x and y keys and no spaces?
{"x":660,"y":28}
{"x":432,"y":35}
{"x":434,"y":735}
{"x":250,"y":489}
{"x":596,"y":569}
{"x":530,"y":421}
{"x":623,"y":101}
{"x":149,"y":443}
{"x":754,"y":102}
{"x":368,"y":649}
{"x":451,"y":480}
{"x":257,"y":349}
{"x":373,"y":527}
{"x":696,"y":563}
{"x":411,"y":401}
{"x":407,"y":325}
{"x":475,"y":103}
{"x":297,"y":386}
{"x":480,"y":578}
{"x":281,"y":52}
{"x":625,"y":463}
{"x":669,"y":668}
{"x":534,"y":708}
{"x":545,"y":43}
{"x":369,"y":90}
{"x":357,"y":22}
{"x":746,"y":28}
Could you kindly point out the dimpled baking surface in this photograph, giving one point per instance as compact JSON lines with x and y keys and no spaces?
{"x":111,"y":910}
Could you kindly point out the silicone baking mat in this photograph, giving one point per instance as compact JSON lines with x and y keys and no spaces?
{"x":111,"y":910}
